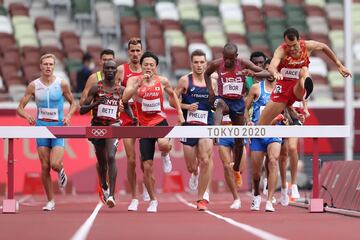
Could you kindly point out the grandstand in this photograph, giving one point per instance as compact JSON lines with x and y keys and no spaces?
{"x":171,"y":29}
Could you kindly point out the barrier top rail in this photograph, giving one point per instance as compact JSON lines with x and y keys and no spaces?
{"x":315,"y":131}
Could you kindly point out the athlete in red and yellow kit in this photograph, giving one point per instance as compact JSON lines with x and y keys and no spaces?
{"x":289,"y":66}
{"x":124,"y":72}
{"x":147,"y":91}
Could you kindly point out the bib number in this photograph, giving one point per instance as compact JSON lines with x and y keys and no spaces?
{"x":107,"y":111}
{"x":233,"y":88}
{"x":290,"y":73}
{"x":49,"y":113}
{"x":149,"y":106}
{"x":199,"y":116}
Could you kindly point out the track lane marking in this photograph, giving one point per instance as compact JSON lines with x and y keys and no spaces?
{"x":84,"y":229}
{"x":255,"y":231}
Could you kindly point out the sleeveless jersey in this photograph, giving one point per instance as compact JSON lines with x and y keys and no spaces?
{"x":197,"y":94}
{"x":260,"y":103}
{"x":289,"y":66}
{"x":231,"y":84}
{"x":49,"y":100}
{"x":125,"y":119}
{"x":149,"y":104}
{"x":106,"y":113}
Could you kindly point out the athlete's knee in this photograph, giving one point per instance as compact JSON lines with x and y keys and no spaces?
{"x":56,"y":165}
{"x":148,"y":166}
{"x":45,"y":167}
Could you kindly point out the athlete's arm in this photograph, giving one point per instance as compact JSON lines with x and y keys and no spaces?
{"x":306,"y":109}
{"x":258,"y":71}
{"x":181,"y":88}
{"x":132,"y":86}
{"x":92,"y":80}
{"x":119,"y":74}
{"x":173,"y":100}
{"x":319,"y":46}
{"x":30,"y":91}
{"x":88,"y":102}
{"x":253,"y":93}
{"x":275,"y":61}
{"x":70,"y":98}
{"x":211,"y":68}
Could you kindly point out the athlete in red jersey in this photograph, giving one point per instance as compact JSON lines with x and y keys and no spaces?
{"x":231,"y":89}
{"x":124,"y":72}
{"x":104,"y":100}
{"x":289,"y":66}
{"x":147,"y":91}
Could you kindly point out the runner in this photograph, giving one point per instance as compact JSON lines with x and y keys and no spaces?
{"x":49,"y":92}
{"x":104,"y":100}
{"x":147,"y":91}
{"x":192,"y":90}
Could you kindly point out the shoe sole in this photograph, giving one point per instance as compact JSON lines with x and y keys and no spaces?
{"x":110,"y":204}
{"x":309,"y":87}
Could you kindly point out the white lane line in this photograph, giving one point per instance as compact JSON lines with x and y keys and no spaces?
{"x":84,"y":230}
{"x":255,"y":231}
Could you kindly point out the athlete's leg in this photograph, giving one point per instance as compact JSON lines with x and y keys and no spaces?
{"x":257,"y":158}
{"x":283,"y":161}
{"x":273,"y":150}
{"x":294,"y":158}
{"x":227,"y":160}
{"x":101,"y":156}
{"x":111,"y":148}
{"x":129,"y":145}
{"x":271,"y":110}
{"x":204,"y":156}
{"x":238,"y":120}
{"x":190,"y":158}
{"x":44,"y":155}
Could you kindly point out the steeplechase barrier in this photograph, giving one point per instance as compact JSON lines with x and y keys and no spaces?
{"x":315,"y":132}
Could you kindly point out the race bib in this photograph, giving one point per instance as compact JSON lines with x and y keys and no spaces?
{"x":153,"y":105}
{"x":233,"y":88}
{"x":197,"y":116}
{"x":290,"y":73}
{"x":48,"y":113}
{"x":107,"y":111}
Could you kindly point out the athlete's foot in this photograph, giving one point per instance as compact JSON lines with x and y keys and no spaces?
{"x":133,"y":205}
{"x":110,"y":202}
{"x":152,"y":206}
{"x":269,"y":207}
{"x":255,"y":204}
{"x":309,"y":87}
{"x":284,"y":198}
{"x":236,"y":204}
{"x":238,"y":178}
{"x":50,"y":206}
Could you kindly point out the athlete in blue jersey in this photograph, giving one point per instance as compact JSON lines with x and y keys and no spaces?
{"x":49,"y":92}
{"x":194,"y":96}
{"x":258,"y":97}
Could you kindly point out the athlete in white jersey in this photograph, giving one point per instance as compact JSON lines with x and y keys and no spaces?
{"x":49,"y":92}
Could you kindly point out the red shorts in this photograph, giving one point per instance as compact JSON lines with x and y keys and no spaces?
{"x":284,"y":92}
{"x":125,"y":119}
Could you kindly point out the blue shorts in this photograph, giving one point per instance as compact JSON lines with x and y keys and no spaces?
{"x":260,"y":144}
{"x":189,"y":141}
{"x":236,"y":106}
{"x":229,"y":142}
{"x":49,"y":142}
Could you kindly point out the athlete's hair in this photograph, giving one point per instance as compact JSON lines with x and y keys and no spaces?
{"x":230,"y":47}
{"x":134,"y":41}
{"x":148,"y":54}
{"x":267,"y":61}
{"x":47,"y":55}
{"x":107,"y":52}
{"x":292,"y":34}
{"x":257,"y":54}
{"x":197,"y":52}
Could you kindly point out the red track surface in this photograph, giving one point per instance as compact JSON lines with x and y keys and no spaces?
{"x":174,"y":220}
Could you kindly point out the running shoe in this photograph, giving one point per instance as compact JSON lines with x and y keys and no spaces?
{"x":133,"y":205}
{"x":110,"y":202}
{"x":269,"y":207}
{"x":62,"y":179}
{"x":193,"y":181}
{"x":236,"y":204}
{"x":294,"y":191}
{"x":284,"y":198}
{"x":152,"y":206}
{"x":167,"y":165}
{"x":103,"y":194}
{"x":255,"y":204}
{"x":201,"y":205}
{"x":309,"y":87}
{"x":50,"y":206}
{"x":238,"y":178}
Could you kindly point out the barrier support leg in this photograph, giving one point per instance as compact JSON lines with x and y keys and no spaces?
{"x":316,"y":203}
{"x":9,"y":204}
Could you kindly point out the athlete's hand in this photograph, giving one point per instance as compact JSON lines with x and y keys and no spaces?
{"x":193,"y":107}
{"x":307,"y":113}
{"x":121,"y":106}
{"x":344,"y":71}
{"x":301,"y":118}
{"x":278,"y":76}
{"x":31,"y":120}
{"x":66,"y":120}
{"x":100,"y":100}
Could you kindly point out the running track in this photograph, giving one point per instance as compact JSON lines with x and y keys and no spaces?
{"x":81,"y":217}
